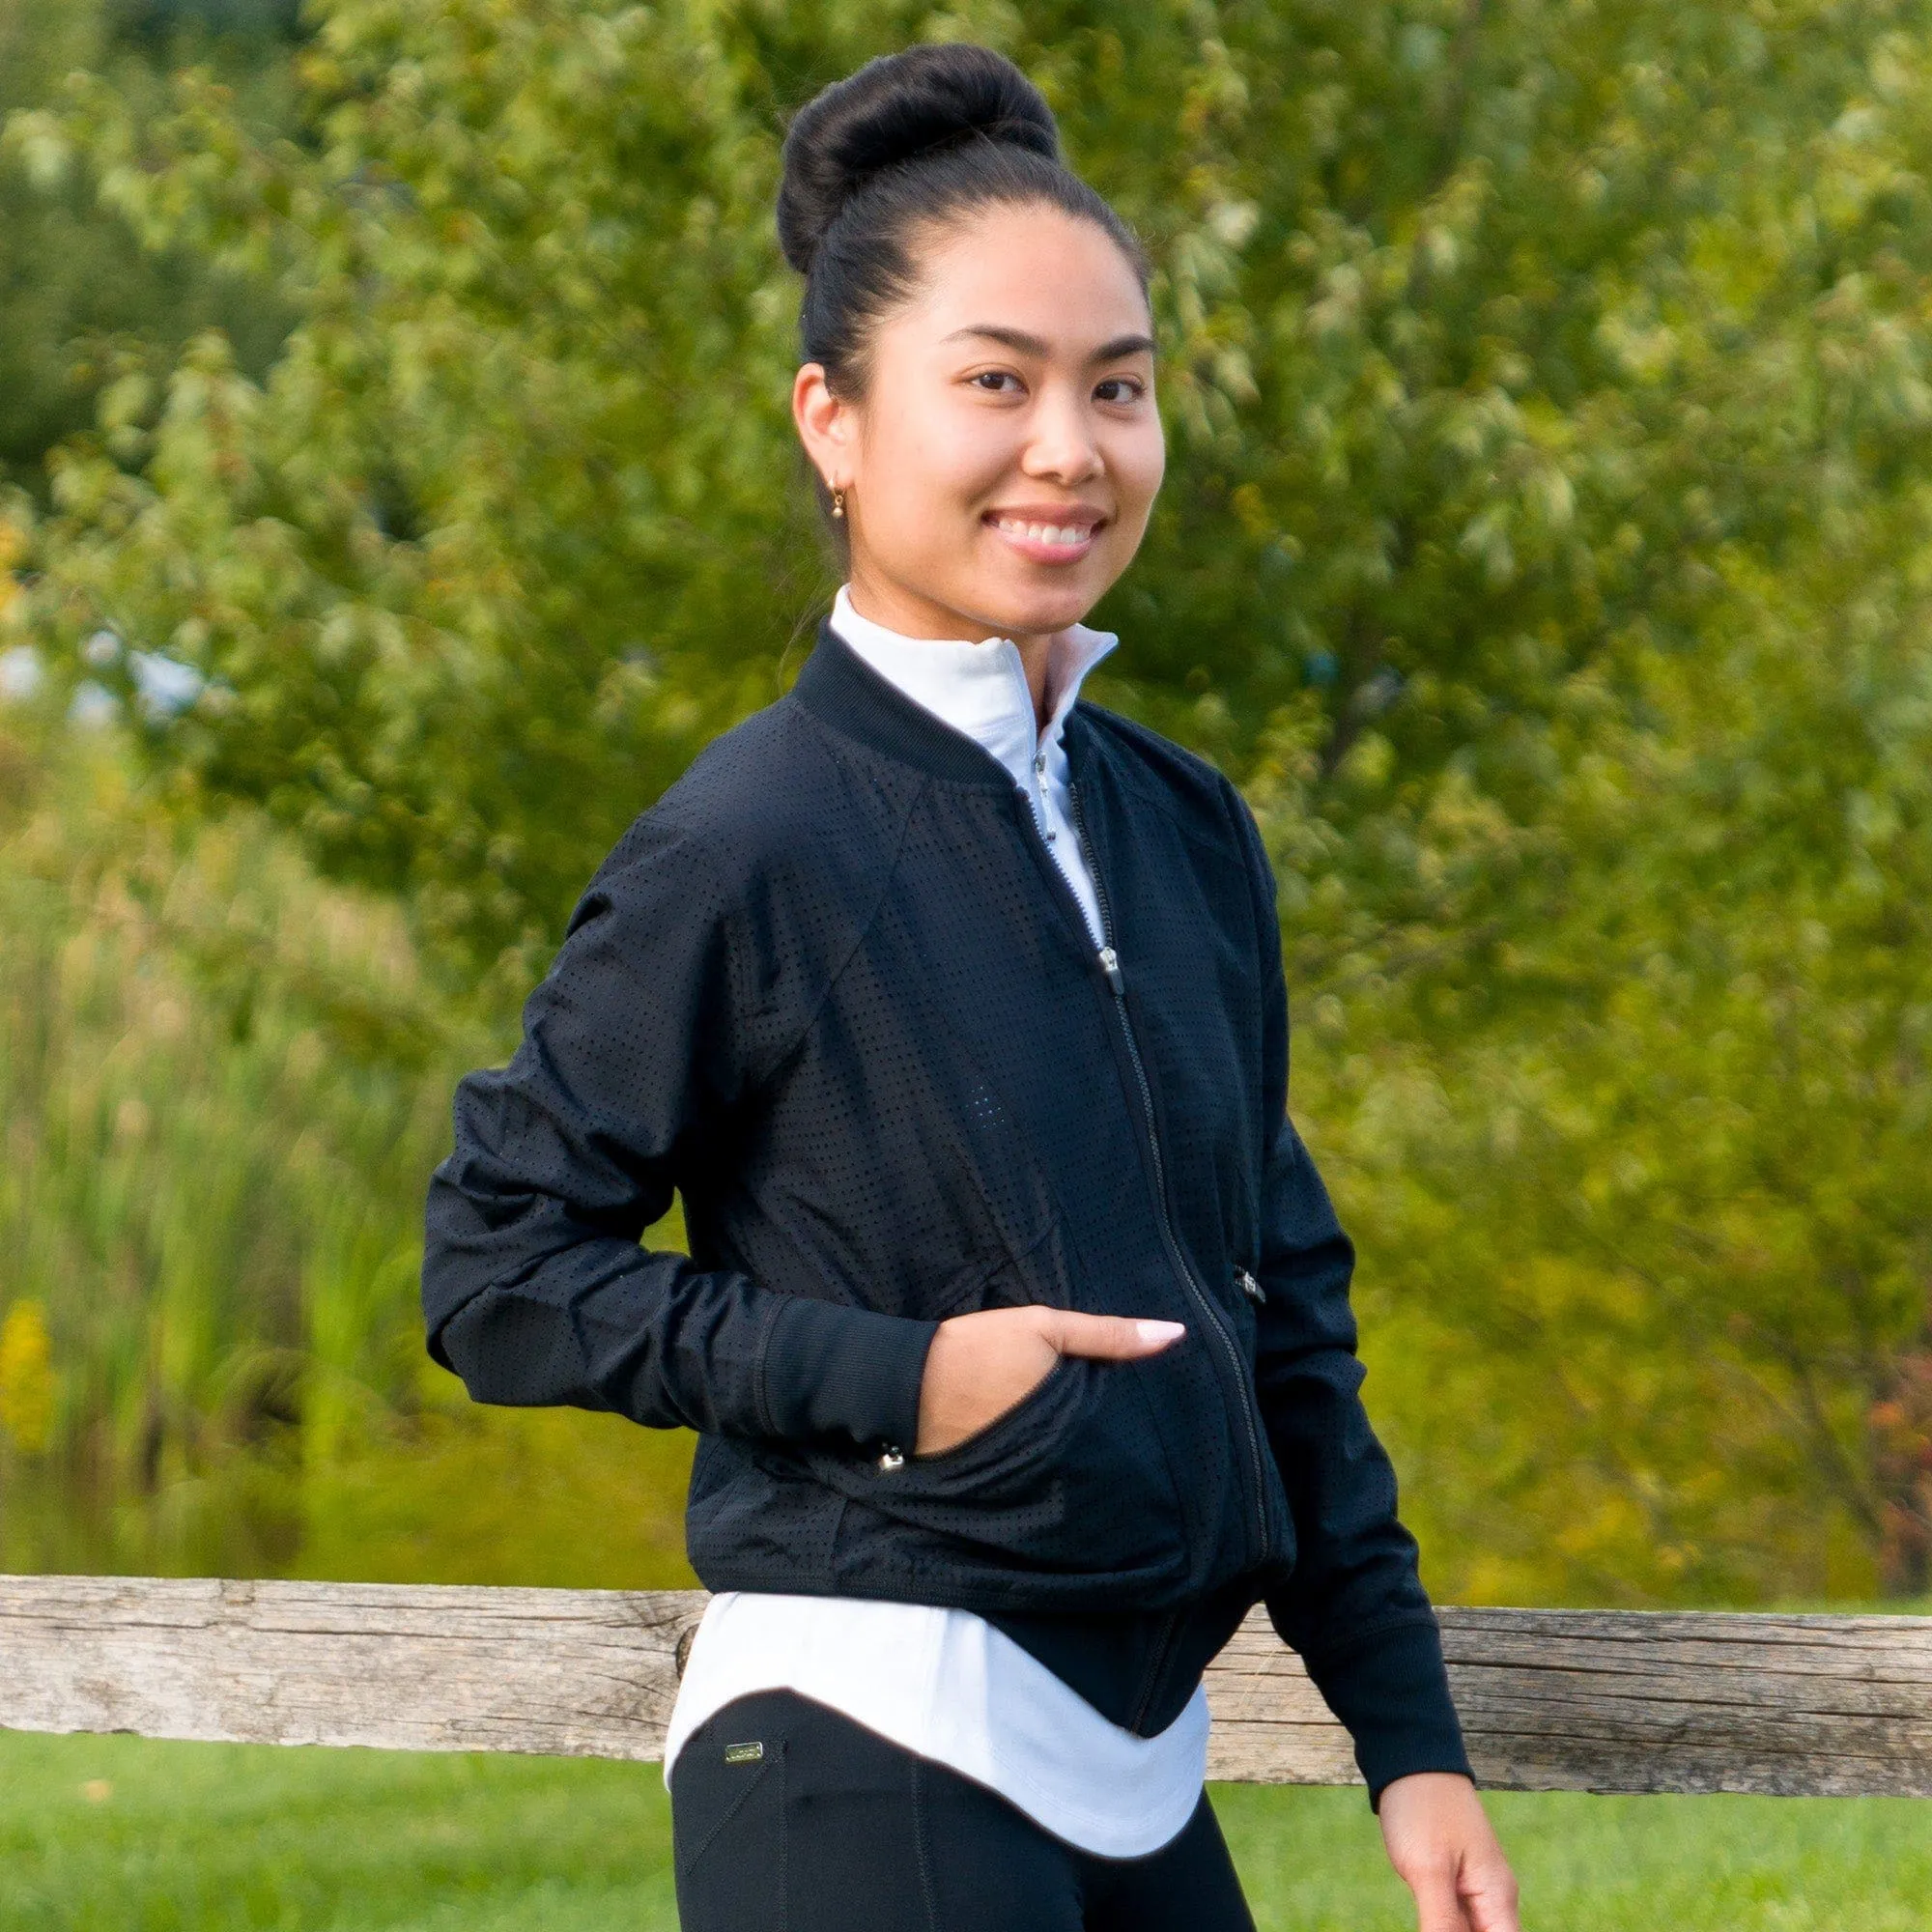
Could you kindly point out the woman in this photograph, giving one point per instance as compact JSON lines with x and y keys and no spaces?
{"x":1015,"y":1322}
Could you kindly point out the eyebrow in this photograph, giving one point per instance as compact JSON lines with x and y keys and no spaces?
{"x":1019,"y":340}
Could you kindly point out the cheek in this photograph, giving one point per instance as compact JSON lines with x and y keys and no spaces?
{"x":1142,"y":463}
{"x":1137,"y":462}
{"x":940,"y":466}
{"x":973,"y":450}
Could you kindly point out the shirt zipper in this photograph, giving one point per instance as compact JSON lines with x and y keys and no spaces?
{"x":1110,"y":965}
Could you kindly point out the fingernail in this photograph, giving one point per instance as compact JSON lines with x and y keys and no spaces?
{"x":1160,"y":1331}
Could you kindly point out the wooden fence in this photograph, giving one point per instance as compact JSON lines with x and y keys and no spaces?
{"x":1551,"y":1701}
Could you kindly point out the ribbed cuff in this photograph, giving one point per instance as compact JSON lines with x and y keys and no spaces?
{"x":1392,"y":1692}
{"x":831,"y":1370}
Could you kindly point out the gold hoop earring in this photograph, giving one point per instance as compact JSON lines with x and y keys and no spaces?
{"x":837,"y":502}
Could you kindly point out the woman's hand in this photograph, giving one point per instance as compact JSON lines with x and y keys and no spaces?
{"x":1443,"y":1849}
{"x":981,"y":1365}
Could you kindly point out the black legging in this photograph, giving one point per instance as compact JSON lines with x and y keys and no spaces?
{"x":814,"y":1824}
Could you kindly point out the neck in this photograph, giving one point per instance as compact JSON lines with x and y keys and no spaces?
{"x":914,"y":616}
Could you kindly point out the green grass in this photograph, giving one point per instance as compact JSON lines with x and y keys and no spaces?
{"x":125,"y":1834}
{"x":210,"y":1837}
{"x":1312,"y":1862}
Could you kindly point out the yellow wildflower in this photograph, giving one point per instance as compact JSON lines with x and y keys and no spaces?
{"x":26,"y":1378}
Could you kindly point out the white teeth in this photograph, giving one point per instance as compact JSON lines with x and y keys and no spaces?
{"x":1064,"y":535}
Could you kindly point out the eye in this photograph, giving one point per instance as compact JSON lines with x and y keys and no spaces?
{"x":990,"y":379}
{"x":1131,"y":389}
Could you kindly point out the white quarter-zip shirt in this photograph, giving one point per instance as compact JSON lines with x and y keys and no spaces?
{"x":943,"y":1682}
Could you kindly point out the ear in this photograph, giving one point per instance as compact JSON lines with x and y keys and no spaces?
{"x":826,"y":425}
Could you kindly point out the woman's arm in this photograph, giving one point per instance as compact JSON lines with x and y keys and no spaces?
{"x":651,"y":1026}
{"x":1354,"y":1605}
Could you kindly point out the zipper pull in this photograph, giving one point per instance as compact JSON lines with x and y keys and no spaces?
{"x":892,"y":1457}
{"x":1110,"y":964}
{"x":1250,"y":1286}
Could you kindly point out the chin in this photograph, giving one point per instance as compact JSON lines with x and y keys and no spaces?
{"x":1030,"y":609}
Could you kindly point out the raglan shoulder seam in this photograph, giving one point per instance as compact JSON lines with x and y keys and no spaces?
{"x":888,"y":870}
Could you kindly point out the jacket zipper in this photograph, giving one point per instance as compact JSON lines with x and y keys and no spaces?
{"x":1110,"y":965}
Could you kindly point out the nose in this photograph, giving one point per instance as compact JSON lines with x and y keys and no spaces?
{"x":1062,"y":447}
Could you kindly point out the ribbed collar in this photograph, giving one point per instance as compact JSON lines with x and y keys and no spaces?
{"x":947,"y":704}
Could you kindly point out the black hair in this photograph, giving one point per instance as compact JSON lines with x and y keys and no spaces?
{"x":909,"y":141}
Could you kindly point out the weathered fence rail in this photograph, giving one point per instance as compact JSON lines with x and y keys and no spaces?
{"x":1551,"y":1701}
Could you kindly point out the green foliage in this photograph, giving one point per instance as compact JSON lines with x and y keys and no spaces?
{"x":195,"y":1170}
{"x":222,"y":1085}
{"x":75,"y":283}
{"x":1488,"y":331}
{"x":1547,"y":390}
{"x":1643,"y":1183}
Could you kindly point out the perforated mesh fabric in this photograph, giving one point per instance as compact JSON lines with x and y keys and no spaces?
{"x":834,"y":989}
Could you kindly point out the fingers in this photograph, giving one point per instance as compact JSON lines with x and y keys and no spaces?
{"x":1490,"y":1896}
{"x":1109,"y":1338}
{"x":1438,"y":1906}
{"x":1441,"y":1843}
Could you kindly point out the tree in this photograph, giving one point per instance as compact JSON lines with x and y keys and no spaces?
{"x":73,"y":277}
{"x":1548,"y":394}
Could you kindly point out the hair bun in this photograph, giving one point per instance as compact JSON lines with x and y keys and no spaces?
{"x":892,"y":108}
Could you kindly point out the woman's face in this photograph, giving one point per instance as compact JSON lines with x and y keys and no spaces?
{"x":1000,"y":469}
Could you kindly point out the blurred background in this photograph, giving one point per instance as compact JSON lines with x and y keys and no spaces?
{"x":397,"y":487}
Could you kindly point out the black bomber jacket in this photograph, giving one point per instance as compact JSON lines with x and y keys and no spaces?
{"x":834,"y":990}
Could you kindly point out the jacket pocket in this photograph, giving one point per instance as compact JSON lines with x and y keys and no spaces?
{"x":1013,"y":1419}
{"x":1072,"y":1479}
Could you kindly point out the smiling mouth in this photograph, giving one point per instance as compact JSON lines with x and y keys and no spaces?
{"x":1042,"y":538}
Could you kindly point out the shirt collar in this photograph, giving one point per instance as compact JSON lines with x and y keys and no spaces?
{"x":979,"y":688}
